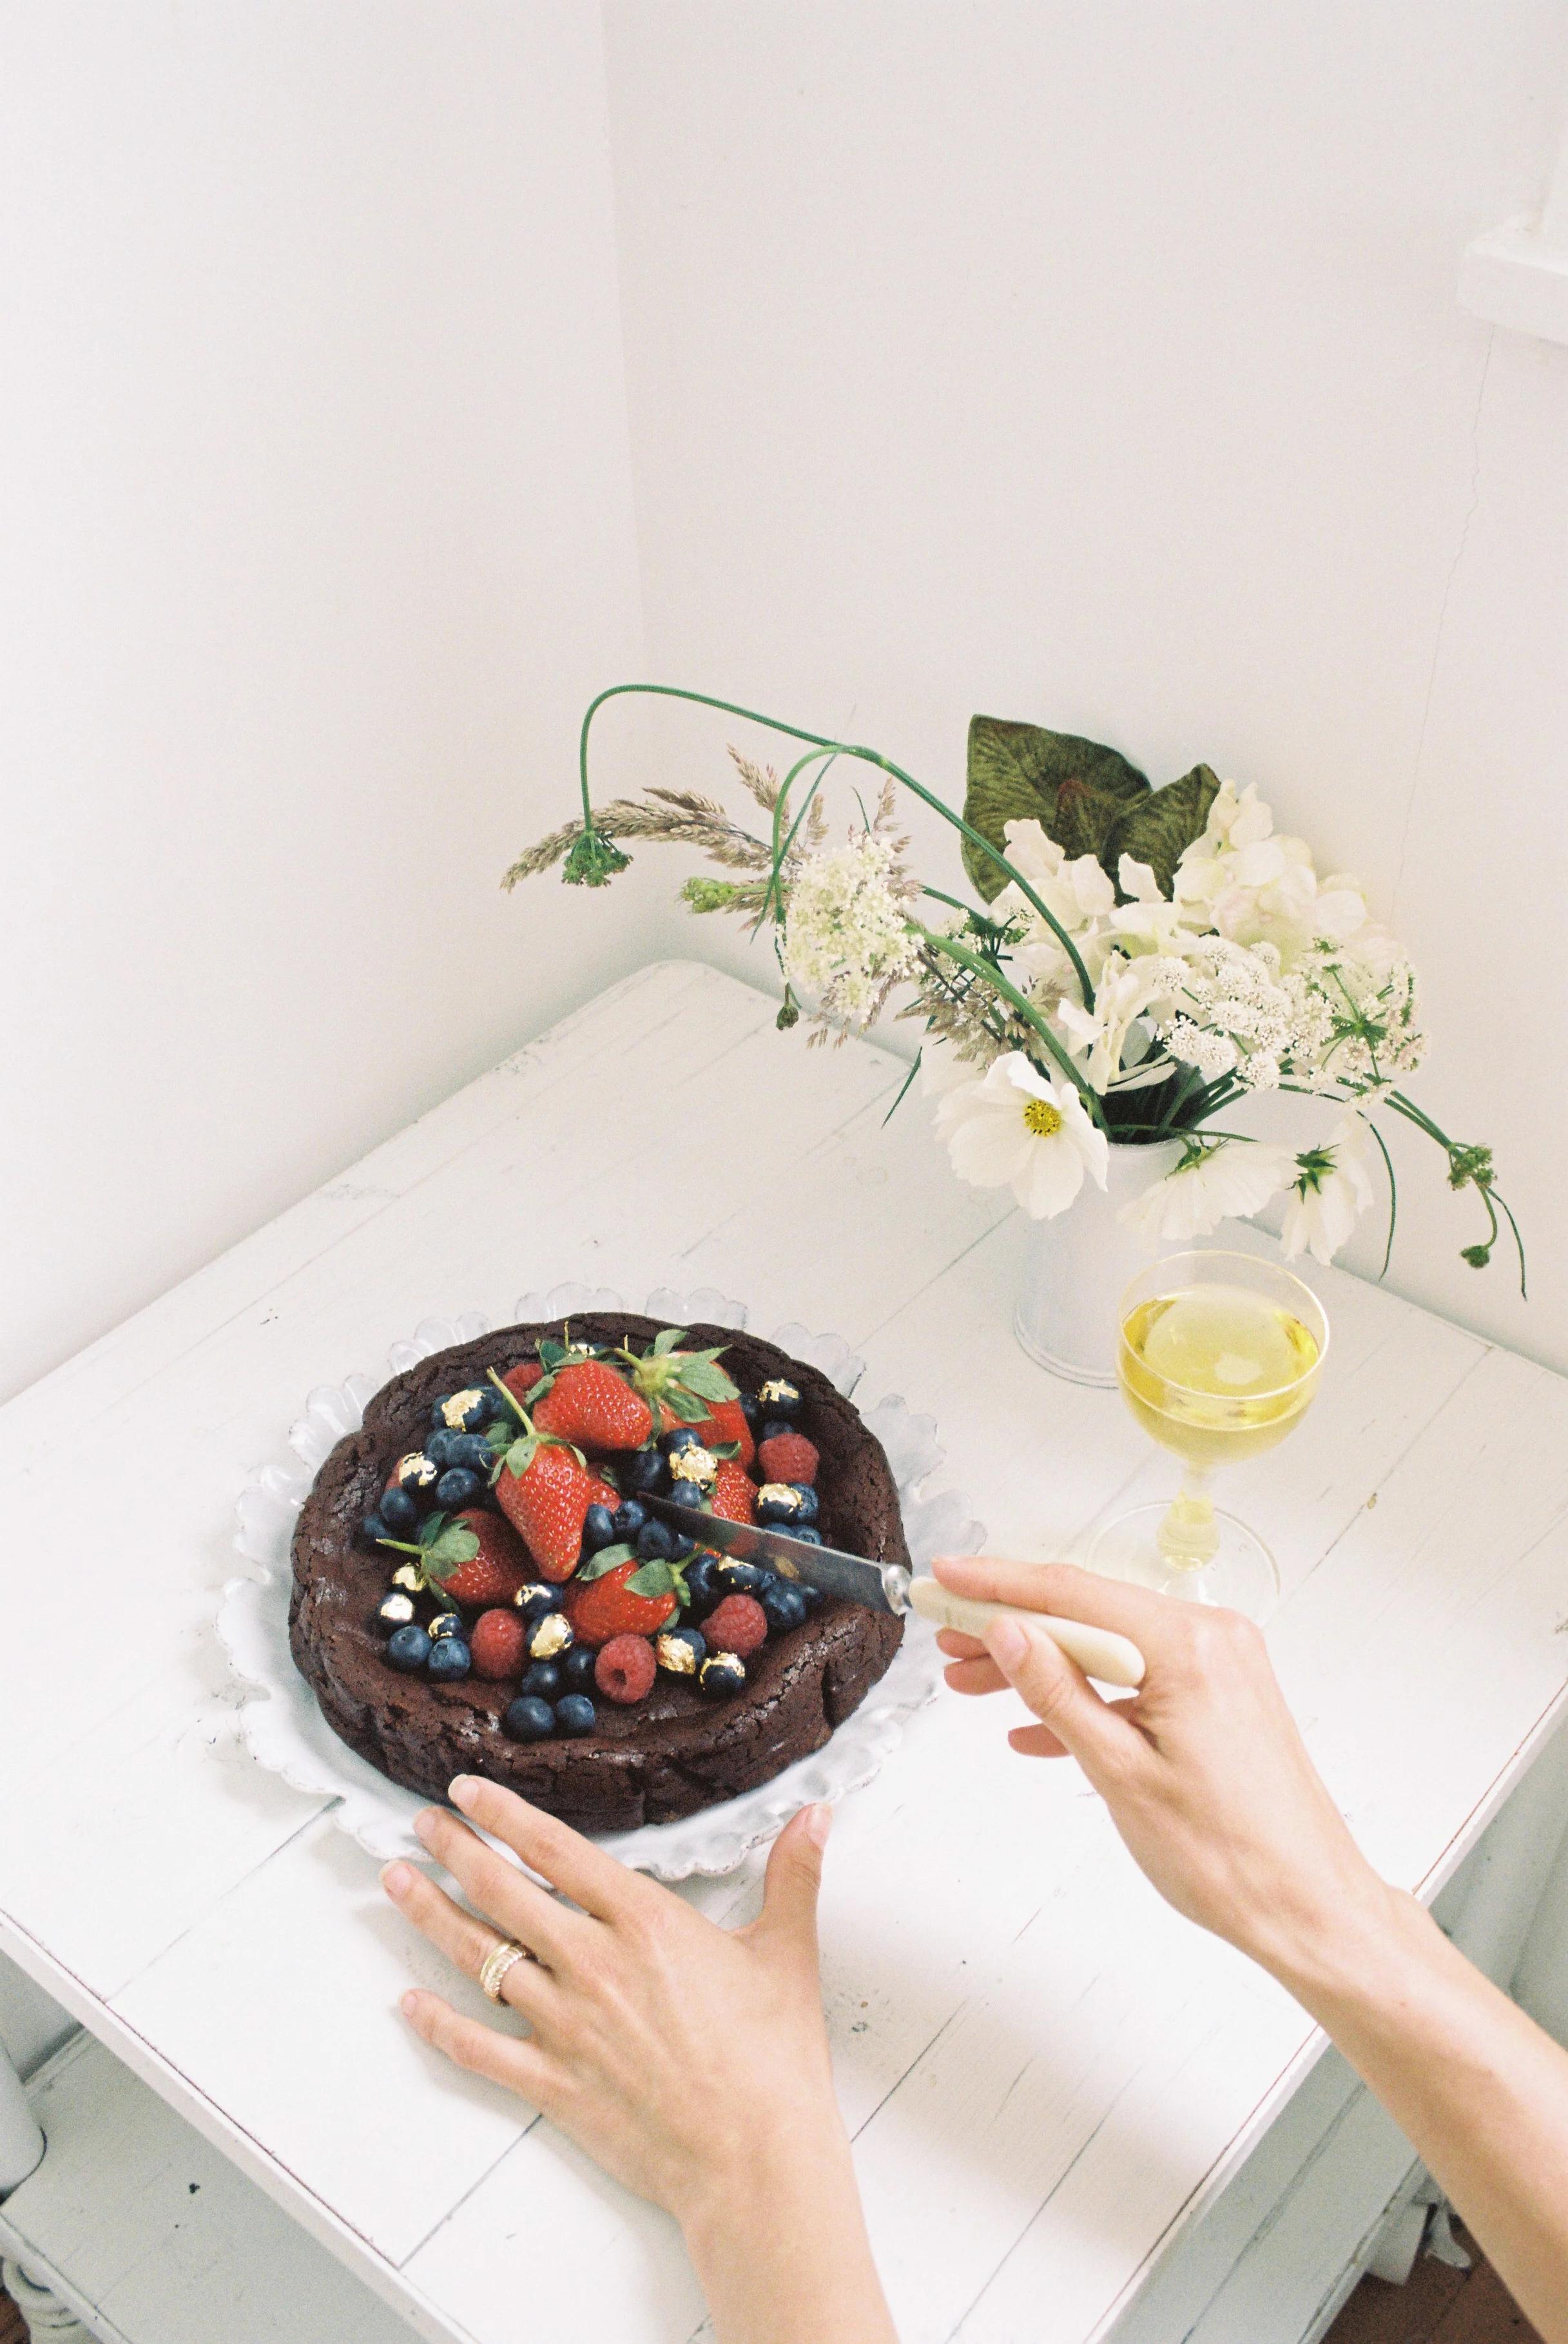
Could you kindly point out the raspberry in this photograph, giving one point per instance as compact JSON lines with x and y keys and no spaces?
{"x":625,"y":1669}
{"x":739,"y":1624}
{"x":788,"y":1456}
{"x":497,"y":1644}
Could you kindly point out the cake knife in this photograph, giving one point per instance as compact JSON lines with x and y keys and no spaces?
{"x":888,"y":1587}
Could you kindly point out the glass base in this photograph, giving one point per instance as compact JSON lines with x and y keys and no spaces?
{"x":1243,"y":1575}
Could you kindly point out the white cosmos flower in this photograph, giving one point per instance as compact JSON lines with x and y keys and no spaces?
{"x":1332,"y":1189}
{"x":1016,"y":1128}
{"x":1230,"y":1178}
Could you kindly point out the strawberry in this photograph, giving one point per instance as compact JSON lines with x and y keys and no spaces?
{"x":497,"y":1645}
{"x":492,"y":1573}
{"x":625,"y":1669}
{"x":733,"y":1493}
{"x":680,"y":1387}
{"x":547,"y":1501}
{"x":607,"y":1606}
{"x":591,"y":1404}
{"x":789,"y":1456}
{"x":724,"y":1424}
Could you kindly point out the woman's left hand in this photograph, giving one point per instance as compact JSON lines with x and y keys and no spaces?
{"x":690,"y":2061}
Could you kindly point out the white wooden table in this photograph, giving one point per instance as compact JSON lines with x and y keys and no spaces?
{"x":1047,"y":2072}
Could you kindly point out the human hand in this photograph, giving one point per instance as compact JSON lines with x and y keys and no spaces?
{"x":1204,"y":1772}
{"x":690,"y":2062}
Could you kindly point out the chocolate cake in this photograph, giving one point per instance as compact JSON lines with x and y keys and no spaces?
{"x":673,"y":1752}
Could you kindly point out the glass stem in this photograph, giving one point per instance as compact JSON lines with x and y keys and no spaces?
{"x":1189,"y":1536}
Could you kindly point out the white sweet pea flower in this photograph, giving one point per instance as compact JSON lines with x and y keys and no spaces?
{"x":1076,"y":892}
{"x":1332,"y":1189}
{"x":1123,"y":992}
{"x":1219,"y":1179}
{"x":1017,"y":1128}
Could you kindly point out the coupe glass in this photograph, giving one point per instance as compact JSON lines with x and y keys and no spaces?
{"x":1219,"y":1358}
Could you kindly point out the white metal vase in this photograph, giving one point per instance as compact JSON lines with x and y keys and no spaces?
{"x":1077,"y":1267}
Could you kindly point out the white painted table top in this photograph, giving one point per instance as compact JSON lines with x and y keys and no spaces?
{"x":1044,"y":2069}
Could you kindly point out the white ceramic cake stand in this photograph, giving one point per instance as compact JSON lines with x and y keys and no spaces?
{"x":280,"y":1726}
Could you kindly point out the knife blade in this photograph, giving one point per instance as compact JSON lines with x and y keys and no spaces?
{"x":889,"y":1587}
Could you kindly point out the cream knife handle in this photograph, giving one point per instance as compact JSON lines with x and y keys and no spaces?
{"x":1098,"y":1651}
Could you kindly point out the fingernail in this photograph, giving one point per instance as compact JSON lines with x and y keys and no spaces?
{"x":397,"y":1879}
{"x":410,"y":2004}
{"x":818,"y":1823}
{"x":1006,"y":1643}
{"x":425,"y":1824}
{"x":461,"y":1789}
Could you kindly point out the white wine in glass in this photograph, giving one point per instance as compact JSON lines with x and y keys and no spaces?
{"x":1219,"y":1359}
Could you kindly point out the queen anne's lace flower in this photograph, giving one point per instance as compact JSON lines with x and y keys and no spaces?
{"x":847,"y":936}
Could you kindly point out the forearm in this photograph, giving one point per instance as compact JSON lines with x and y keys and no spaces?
{"x":1478,"y":2088}
{"x":782,"y":2255}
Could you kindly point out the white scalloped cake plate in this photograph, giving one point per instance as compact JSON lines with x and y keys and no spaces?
{"x":283,"y":1729}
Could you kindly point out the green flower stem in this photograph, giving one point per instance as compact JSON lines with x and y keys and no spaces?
{"x":1026,"y":1009}
{"x":843,"y":749}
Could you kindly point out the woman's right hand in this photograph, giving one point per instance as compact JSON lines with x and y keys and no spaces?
{"x":1203,"y":1770}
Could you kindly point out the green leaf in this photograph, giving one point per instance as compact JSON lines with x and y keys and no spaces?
{"x":726,"y":1449}
{"x":1074,"y":789}
{"x":500,"y":1436}
{"x":456,"y":1544}
{"x":666,"y":1339}
{"x":429,"y":1530}
{"x":708,"y":1380}
{"x":653,"y":1578}
{"x":1157,"y":829}
{"x":677,"y":1401}
{"x":596,"y":1565}
{"x":522,"y":1454}
{"x":551,"y":1352}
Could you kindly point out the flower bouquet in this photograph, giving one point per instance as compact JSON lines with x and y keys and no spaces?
{"x":1137,"y":961}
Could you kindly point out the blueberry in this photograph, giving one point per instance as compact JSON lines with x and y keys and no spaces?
{"x":644,"y":1469}
{"x":810,"y":1506}
{"x":721,"y":1675}
{"x":445,"y":1623}
{"x":686,"y":1493}
{"x":438,"y":1447}
{"x":628,"y":1519}
{"x":474,"y":1454}
{"x":466,"y":1411}
{"x":409,"y":1648}
{"x":450,"y":1658}
{"x":682,"y":1438}
{"x":373,"y":1528}
{"x":779,"y":1502}
{"x":738,"y":1578}
{"x":416,"y":1474}
{"x":399,"y":1511}
{"x":576,"y":1668}
{"x":528,"y":1719}
{"x":458,"y":1488}
{"x":534,"y":1599}
{"x":702,"y":1588}
{"x":682,"y":1651}
{"x":804,"y":1531}
{"x":751,"y":1410}
{"x":772,"y":1428}
{"x":575,"y":1714}
{"x":598,"y":1529}
{"x":543,"y":1681}
{"x":683,"y":1545}
{"x":780,"y":1400}
{"x":655,"y":1543}
{"x":784,"y":1606}
{"x":395,"y":1609}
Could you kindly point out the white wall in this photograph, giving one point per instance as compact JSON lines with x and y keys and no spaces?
{"x":1102,"y":366}
{"x":314,"y":501}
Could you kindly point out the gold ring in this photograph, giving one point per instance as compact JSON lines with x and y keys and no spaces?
{"x":504,"y":1955}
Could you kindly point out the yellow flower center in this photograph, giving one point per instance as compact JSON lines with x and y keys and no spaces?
{"x":1042,"y":1119}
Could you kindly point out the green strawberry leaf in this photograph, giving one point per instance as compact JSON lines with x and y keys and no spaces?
{"x":457,"y":1544}
{"x":429,"y":1530}
{"x":551,"y":1352}
{"x":499,"y":1436}
{"x":653,"y":1578}
{"x":595,"y":1565}
{"x":522,"y":1454}
{"x":666,"y":1339}
{"x":679,"y":1402}
{"x":710,"y":1382}
{"x":726,"y":1449}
